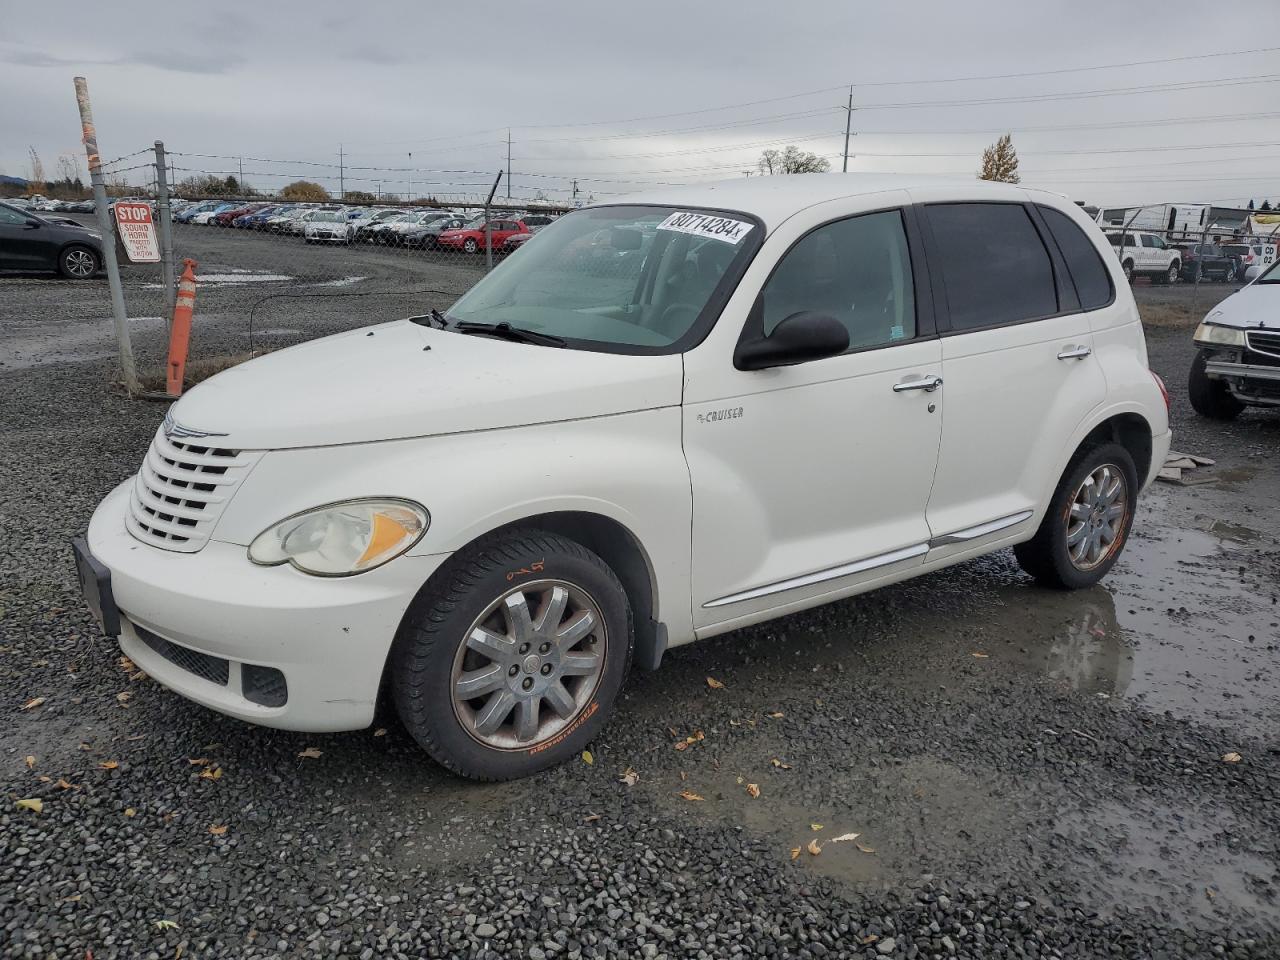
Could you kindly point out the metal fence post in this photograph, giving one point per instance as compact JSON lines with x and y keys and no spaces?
{"x":90,"y":137}
{"x":488,"y":227}
{"x":167,"y":263}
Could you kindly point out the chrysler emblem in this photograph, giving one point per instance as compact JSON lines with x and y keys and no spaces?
{"x":176,"y":431}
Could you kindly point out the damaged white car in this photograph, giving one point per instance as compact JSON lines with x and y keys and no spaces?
{"x":1238,"y":364}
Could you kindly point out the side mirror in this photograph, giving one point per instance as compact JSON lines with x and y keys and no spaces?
{"x":32,"y":225}
{"x":799,"y":338}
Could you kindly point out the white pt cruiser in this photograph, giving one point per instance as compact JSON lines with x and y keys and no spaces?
{"x":664,"y":419}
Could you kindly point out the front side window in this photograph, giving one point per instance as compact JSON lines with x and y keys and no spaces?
{"x":11,"y":216}
{"x":620,"y":277}
{"x":995,"y":269}
{"x":1093,"y":282}
{"x":856,"y":270}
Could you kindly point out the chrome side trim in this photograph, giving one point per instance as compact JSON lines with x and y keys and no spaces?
{"x":981,"y":530}
{"x":831,"y":573}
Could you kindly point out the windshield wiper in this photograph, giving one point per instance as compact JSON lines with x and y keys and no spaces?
{"x":506,"y":331}
{"x":432,"y":317}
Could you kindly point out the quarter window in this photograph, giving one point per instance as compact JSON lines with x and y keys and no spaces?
{"x":856,"y":270}
{"x":1093,"y":283}
{"x":994,"y":266}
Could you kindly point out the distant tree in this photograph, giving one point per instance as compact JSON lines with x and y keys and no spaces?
{"x":205,"y":185}
{"x":360,"y":196}
{"x":1000,"y":162}
{"x":35,"y":182}
{"x":1266,"y":205}
{"x":1250,"y":207}
{"x":303,"y":190}
{"x":792,"y":160}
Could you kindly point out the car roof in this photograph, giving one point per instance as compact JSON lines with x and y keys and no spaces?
{"x":774,"y":199}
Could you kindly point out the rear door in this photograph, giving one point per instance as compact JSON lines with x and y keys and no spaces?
{"x":1017,"y":365}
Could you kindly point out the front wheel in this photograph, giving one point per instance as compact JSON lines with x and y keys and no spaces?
{"x":1128,"y":270}
{"x":512,"y":663}
{"x":1210,"y":398}
{"x":77,"y":263}
{"x":1087,"y":523}
{"x":470,"y":245}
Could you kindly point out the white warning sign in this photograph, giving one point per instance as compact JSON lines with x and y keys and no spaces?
{"x":137,"y":231}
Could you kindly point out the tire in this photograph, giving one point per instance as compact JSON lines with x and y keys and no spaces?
{"x":480,"y":737}
{"x":1062,"y":554}
{"x":470,"y":245}
{"x":1210,"y":398}
{"x":77,"y":263}
{"x":1175,"y":272}
{"x":1128,"y":271}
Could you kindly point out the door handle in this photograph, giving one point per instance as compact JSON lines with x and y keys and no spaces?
{"x":1074,"y":353}
{"x":927,"y":384}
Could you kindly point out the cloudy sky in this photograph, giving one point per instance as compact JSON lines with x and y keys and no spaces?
{"x":1141,"y":102}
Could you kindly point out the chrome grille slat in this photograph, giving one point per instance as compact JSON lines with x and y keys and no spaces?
{"x":1267,"y":344}
{"x":176,"y":470}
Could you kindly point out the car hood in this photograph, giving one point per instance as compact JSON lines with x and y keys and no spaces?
{"x":1254,"y":306}
{"x":400,"y":380}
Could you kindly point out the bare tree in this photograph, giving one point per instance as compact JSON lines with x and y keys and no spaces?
{"x":792,"y":160}
{"x":1000,"y":162}
{"x":36,"y":184}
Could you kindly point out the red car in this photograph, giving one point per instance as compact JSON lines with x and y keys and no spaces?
{"x":224,"y":218}
{"x":471,"y":239}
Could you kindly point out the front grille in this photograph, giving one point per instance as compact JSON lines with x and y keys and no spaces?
{"x":1264,"y":344}
{"x":214,"y":669}
{"x":181,"y":490}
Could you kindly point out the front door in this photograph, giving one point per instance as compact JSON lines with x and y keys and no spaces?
{"x":20,"y":246}
{"x":810,"y":479}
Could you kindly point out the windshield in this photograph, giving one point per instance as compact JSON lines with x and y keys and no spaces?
{"x":326,"y":218}
{"x":1272,"y":274}
{"x":615,"y":277}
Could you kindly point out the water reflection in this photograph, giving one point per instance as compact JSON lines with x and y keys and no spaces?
{"x":1089,"y":651}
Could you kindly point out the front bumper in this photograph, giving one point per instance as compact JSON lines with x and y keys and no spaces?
{"x":329,"y":637}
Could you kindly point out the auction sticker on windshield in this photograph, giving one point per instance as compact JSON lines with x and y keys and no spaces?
{"x":706,"y":225}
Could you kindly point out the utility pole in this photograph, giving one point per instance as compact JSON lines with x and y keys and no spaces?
{"x":848,"y":125}
{"x":508,"y":164}
{"x":89,"y":135}
{"x":342,"y":183}
{"x":575,"y":189}
{"x":241,"y":181}
{"x":411,"y":176}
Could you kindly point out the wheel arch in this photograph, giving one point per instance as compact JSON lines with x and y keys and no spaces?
{"x":1130,"y":429}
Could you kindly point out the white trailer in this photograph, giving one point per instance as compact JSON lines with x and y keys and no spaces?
{"x":1187,"y":218}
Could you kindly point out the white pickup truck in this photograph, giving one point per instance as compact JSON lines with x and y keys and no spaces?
{"x":1146,"y":255}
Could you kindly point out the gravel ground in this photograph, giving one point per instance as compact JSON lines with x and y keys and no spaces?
{"x":1062,"y":795}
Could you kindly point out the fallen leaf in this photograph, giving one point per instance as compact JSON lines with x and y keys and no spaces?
{"x":779,"y":764}
{"x":74,"y":898}
{"x":753,"y":790}
{"x":689,"y":741}
{"x":200,"y":762}
{"x":587,"y":758}
{"x":870,"y":938}
{"x":123,"y":696}
{"x":845,"y":836}
{"x":169,"y":924}
{"x":815,"y":827}
{"x":714,"y":684}
{"x":211,"y":773}
{"x":130,"y":812}
{"x":629,"y":777}
{"x":776,"y":715}
{"x":63,"y":785}
{"x":690,"y":795}
{"x":39,"y":663}
{"x":683,"y":775}
{"x":126,"y":664}
{"x":1232,"y":757}
{"x":311,"y":753}
{"x":795,"y":853}
{"x":980,"y":656}
{"x":682,"y":745}
{"x":33,"y":703}
{"x":136,"y":736}
{"x":380,"y":732}
{"x":672,"y":731}
{"x":865,"y":849}
{"x":1208,"y":892}
{"x":814,"y":848}
{"x":44,"y":779}
{"x":591,"y":818}
{"x":31,"y":763}
{"x":35,"y":804}
{"x":140,"y":675}
{"x":109,"y":764}
{"x":218,"y":829}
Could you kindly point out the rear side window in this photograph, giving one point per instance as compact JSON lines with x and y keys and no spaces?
{"x":994,"y":267}
{"x":1093,"y":283}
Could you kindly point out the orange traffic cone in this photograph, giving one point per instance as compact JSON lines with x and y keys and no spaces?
{"x":180,"y":332}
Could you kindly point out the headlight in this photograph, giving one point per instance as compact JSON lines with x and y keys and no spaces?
{"x":342,"y":539}
{"x":1219,"y":336}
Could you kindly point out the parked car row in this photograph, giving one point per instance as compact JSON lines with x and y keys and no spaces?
{"x":389,"y":226}
{"x":1144,"y":254}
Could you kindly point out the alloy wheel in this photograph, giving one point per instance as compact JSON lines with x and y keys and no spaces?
{"x":80,"y":263}
{"x":1096,"y":519}
{"x":530,"y":665}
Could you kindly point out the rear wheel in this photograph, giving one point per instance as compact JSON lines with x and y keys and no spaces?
{"x":1210,"y":398}
{"x":513,"y":662}
{"x":1087,"y":523}
{"x":78,"y":263}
